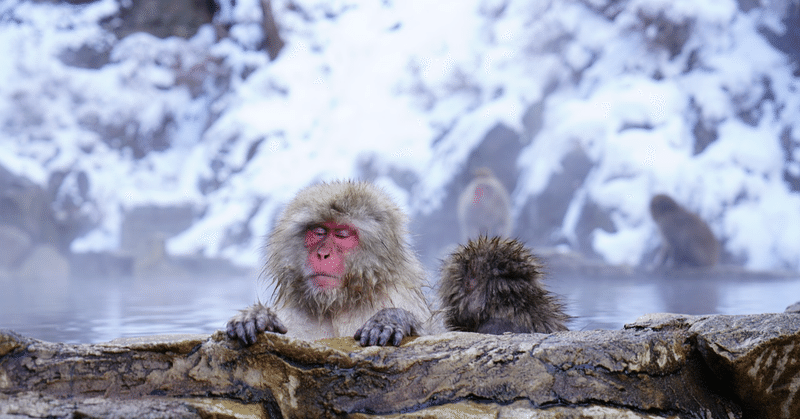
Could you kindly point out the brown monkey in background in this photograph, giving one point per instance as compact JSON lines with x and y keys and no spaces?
{"x":688,"y":241}
{"x":484,"y":207}
{"x":493,"y":285}
{"x":342,"y":267}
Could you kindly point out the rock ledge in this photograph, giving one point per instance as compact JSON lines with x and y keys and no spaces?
{"x":661,"y":366}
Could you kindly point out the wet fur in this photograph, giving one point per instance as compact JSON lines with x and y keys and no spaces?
{"x":381,"y":273}
{"x":493,"y":285}
{"x":382,"y":260}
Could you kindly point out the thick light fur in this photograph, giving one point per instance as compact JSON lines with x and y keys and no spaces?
{"x":382,"y":272}
{"x":687,"y":239}
{"x":494,"y":285}
{"x":484,"y":207}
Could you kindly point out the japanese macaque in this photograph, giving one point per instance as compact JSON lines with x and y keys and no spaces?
{"x":342,"y":266}
{"x":484,"y":207}
{"x":688,"y":241}
{"x":493,"y":285}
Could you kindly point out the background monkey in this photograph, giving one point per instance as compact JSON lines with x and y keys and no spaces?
{"x":493,"y":285}
{"x":484,"y":207}
{"x":342,"y":267}
{"x":688,"y":241}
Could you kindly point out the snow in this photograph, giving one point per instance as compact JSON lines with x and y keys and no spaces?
{"x":714,"y":11}
{"x":413,"y":86}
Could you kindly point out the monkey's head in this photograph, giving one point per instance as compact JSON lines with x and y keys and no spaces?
{"x":483,"y":171}
{"x":662,"y":205}
{"x":337,"y":246}
{"x":488,"y":278}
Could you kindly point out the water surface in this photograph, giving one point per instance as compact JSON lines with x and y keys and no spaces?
{"x":609,"y":303}
{"x":99,"y":310}
{"x":91,"y":311}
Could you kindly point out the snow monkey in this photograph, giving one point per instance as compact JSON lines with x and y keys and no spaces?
{"x":342,"y":266}
{"x":493,"y":285}
{"x":688,"y":241}
{"x":484,"y":207}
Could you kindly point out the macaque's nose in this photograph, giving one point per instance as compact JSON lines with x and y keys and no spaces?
{"x":324,"y":252}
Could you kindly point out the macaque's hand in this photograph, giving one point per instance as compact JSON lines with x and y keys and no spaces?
{"x":387,"y":325}
{"x":251,"y":321}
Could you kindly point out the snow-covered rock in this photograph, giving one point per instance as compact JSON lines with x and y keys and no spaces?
{"x":697,"y":99}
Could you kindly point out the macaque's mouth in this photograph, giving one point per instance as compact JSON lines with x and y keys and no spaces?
{"x":326,"y":281}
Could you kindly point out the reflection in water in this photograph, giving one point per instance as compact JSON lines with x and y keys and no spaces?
{"x":90,"y":311}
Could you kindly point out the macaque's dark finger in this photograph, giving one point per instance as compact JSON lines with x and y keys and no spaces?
{"x":398,"y":337}
{"x":270,"y":323}
{"x":364,"y":341}
{"x":385,"y":335}
{"x":280,"y":328}
{"x":375,"y":335}
{"x":363,"y":335}
{"x":236,"y":331}
{"x":261,"y":323}
{"x":251,"y":334}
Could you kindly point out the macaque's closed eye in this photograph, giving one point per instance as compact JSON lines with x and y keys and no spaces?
{"x":343,"y":237}
{"x":343,"y":233}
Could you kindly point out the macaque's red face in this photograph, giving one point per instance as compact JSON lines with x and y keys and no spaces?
{"x":327,"y":245}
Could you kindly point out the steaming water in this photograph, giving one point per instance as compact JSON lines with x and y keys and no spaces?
{"x":609,"y":303}
{"x":90,"y":311}
{"x":99,"y":310}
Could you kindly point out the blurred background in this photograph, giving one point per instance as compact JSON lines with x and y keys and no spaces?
{"x":147,"y":146}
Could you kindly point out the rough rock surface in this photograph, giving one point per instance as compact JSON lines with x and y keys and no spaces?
{"x":662,"y":366}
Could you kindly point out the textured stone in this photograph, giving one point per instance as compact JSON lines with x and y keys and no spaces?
{"x":758,"y":359}
{"x":661,"y":366}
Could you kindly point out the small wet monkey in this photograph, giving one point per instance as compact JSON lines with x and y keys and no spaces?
{"x":342,"y":266}
{"x":494,"y":285}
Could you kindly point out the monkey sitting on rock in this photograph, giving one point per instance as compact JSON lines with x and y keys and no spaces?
{"x":688,"y":241}
{"x":342,"y":266}
{"x":493,"y":286}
